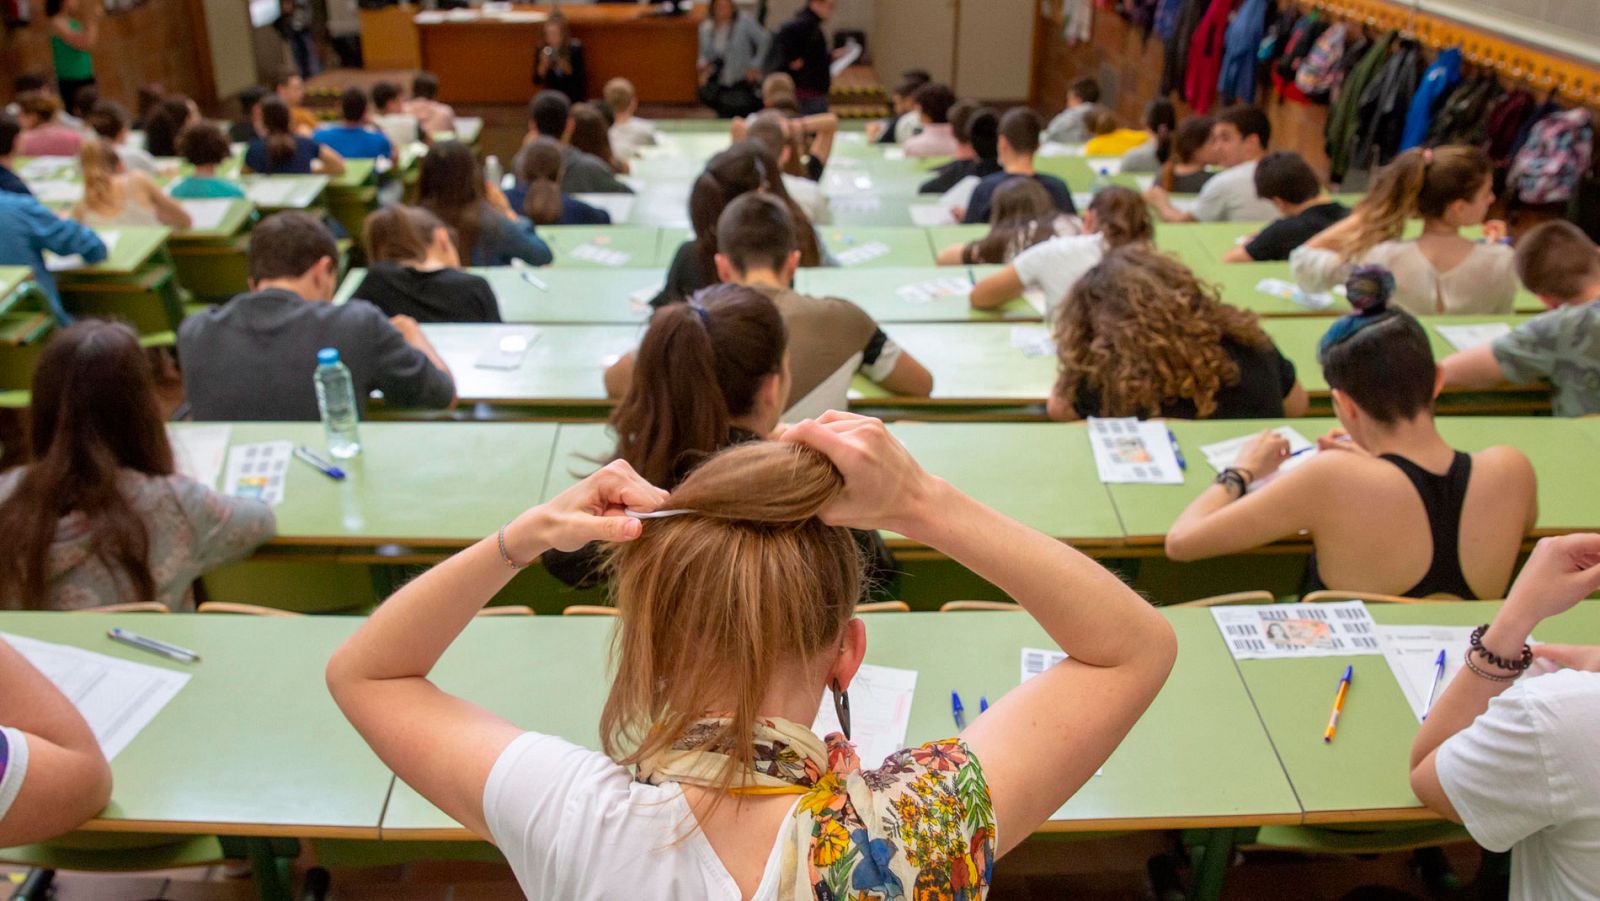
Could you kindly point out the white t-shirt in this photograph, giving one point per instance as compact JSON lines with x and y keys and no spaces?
{"x":400,"y":128}
{"x":808,"y":195}
{"x":575,"y":825}
{"x":1526,"y":776}
{"x":13,"y":767}
{"x":1230,"y":196}
{"x":1054,"y":266}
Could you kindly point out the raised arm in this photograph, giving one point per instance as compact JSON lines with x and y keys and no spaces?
{"x":67,"y":779}
{"x":1044,"y":739}
{"x":1475,"y":368}
{"x":441,"y":745}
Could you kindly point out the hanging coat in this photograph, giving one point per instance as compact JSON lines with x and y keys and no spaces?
{"x":1166,"y":21}
{"x":1342,"y":122}
{"x":1205,"y":57}
{"x":1175,"y":62}
{"x":1383,"y":107}
{"x":1241,"y":43}
{"x":1437,"y":82}
{"x":1464,"y":117}
{"x":1505,"y":123}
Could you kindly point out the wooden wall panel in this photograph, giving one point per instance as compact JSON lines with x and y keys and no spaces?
{"x":157,"y":41}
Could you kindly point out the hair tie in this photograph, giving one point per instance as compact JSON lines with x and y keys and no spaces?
{"x":700,"y":311}
{"x":1368,"y":288}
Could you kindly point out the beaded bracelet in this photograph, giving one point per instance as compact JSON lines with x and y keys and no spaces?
{"x":1234,"y":477}
{"x":1480,"y":671}
{"x":503,"y":554}
{"x":1518,"y":665}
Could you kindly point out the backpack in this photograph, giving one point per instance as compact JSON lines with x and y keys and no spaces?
{"x":1556,"y":154}
{"x":1317,"y":74}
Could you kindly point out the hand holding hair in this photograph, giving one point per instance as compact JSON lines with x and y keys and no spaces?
{"x":884,"y":486}
{"x":594,"y":509}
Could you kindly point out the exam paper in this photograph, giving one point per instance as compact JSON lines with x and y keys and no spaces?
{"x":864,"y":253}
{"x":270,"y":192}
{"x":1411,"y":652}
{"x":205,"y":214}
{"x":880,"y":710}
{"x":200,"y":451}
{"x":932,"y":289}
{"x":852,"y":52}
{"x":619,"y":206}
{"x":43,"y":167}
{"x":71,"y":261}
{"x":1291,"y":292}
{"x":1224,"y":454}
{"x":116,"y":697}
{"x":56,"y":191}
{"x":931,"y":215}
{"x":641,"y":298}
{"x":1130,"y":451}
{"x":1053,"y":149}
{"x":1466,"y":337}
{"x":258,"y":471}
{"x":1033,"y":341}
{"x":594,"y":253}
{"x":1285,"y":631}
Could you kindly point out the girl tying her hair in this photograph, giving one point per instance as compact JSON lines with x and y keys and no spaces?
{"x":736,"y":622}
{"x":1440,"y":271}
{"x":1452,"y":523}
{"x":1022,"y":216}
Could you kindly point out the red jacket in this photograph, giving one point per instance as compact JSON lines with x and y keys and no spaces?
{"x":1205,"y":57}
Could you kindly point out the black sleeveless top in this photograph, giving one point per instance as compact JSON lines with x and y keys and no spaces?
{"x":1442,"y":498}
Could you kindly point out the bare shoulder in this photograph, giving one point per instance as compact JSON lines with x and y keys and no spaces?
{"x":1506,"y":464}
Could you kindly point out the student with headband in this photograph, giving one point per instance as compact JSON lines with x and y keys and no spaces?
{"x":1452,"y":522}
{"x":737,"y":622}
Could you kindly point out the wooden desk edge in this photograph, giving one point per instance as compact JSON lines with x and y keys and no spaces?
{"x":254,"y":830}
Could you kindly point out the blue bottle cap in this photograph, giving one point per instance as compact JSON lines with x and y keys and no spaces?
{"x":327,"y":356}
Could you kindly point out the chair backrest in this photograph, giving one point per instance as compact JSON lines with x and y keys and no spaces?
{"x":131,"y":607}
{"x":244,"y":609}
{"x":507,"y":610}
{"x":1370,"y":597}
{"x":884,"y":607}
{"x":959,"y":606}
{"x":589,"y":610}
{"x":1238,"y":597}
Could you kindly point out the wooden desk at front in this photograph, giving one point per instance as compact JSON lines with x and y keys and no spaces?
{"x":490,"y":60}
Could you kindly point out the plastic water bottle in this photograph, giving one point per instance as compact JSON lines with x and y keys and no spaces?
{"x":492,"y":170}
{"x":336,"y":401}
{"x":1102,"y":179}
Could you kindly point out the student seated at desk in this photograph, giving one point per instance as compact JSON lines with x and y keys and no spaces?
{"x":937,"y":138}
{"x":289,"y":88}
{"x":771,"y":128}
{"x":1116,"y":217}
{"x":591,"y":135}
{"x":1022,"y":216}
{"x":538,"y":195}
{"x":243,"y":129}
{"x":53,"y":776}
{"x":451,"y":186}
{"x":1557,"y":262}
{"x":1440,"y":271}
{"x":628,"y":132}
{"x":1286,"y":181}
{"x":389,"y":114}
{"x":1512,"y":760}
{"x":110,"y":121}
{"x":112,"y":196}
{"x":1019,"y":141}
{"x":41,"y":134}
{"x":1139,"y":335}
{"x":1160,"y":122}
{"x":1083,"y":97}
{"x":1108,"y":137}
{"x":1239,"y":138}
{"x":737,"y":620}
{"x":171,"y":116}
{"x":205,"y":147}
{"x":830,"y":339}
{"x":906,"y":121}
{"x":254,"y":357}
{"x":1451,"y":523}
{"x":1185,"y":169}
{"x":415,"y":270}
{"x":282,"y":152}
{"x":10,"y":182}
{"x":27,"y":228}
{"x":424,"y":106}
{"x":355,"y":138}
{"x":100,"y":515}
{"x":550,"y":116}
{"x":977,"y":132}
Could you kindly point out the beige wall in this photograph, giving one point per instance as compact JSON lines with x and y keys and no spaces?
{"x":990,"y":57}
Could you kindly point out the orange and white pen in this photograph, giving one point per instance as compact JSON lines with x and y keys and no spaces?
{"x":1338,"y":704}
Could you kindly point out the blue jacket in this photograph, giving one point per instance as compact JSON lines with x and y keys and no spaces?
{"x":1238,"y":77}
{"x":1437,"y":82}
{"x":27,"y":228}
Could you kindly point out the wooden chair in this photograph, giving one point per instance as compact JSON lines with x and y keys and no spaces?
{"x":1238,"y":597}
{"x":589,"y":610}
{"x":1370,"y":597}
{"x":884,"y":607}
{"x":243,"y":609}
{"x":507,"y":610}
{"x":130,"y":607}
{"x":960,"y":606}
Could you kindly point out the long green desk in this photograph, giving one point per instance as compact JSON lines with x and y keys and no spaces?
{"x":1558,"y":448}
{"x":907,"y":245}
{"x":562,"y":369}
{"x":1363,"y":776}
{"x":25,"y":321}
{"x":213,"y":262}
{"x":597,"y":296}
{"x":136,"y":281}
{"x":1153,"y":781}
{"x":641,"y":244}
{"x":874,"y":290}
{"x":253,"y":745}
{"x":297,"y":192}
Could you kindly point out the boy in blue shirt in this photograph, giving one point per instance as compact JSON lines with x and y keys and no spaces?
{"x":353,"y":138}
{"x":27,"y":228}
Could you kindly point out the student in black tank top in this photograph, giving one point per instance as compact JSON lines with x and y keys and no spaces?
{"x":1388,"y":505}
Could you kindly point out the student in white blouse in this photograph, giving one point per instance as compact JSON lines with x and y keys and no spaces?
{"x":1517,"y":761}
{"x":52,"y":774}
{"x":1450,"y":188}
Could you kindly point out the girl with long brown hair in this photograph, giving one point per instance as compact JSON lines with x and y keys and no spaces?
{"x":736,"y":623}
{"x":1020,"y":216}
{"x":1116,"y":217}
{"x":1440,"y":271}
{"x":592,"y":134}
{"x":1139,"y":335}
{"x":100,"y":516}
{"x":114,"y":196}
{"x":537,"y":193}
{"x":451,"y":186}
{"x":414,"y":270}
{"x":278,"y":150}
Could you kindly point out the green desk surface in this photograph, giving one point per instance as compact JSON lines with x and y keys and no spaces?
{"x":908,"y":245}
{"x":229,"y":755}
{"x":642,"y":244}
{"x":1363,"y":775}
{"x":563,"y":367}
{"x":874,"y":291}
{"x":942,"y":236}
{"x":1152,"y":781}
{"x":357,"y":173}
{"x":232,"y":222}
{"x":873,"y":210}
{"x":576,"y":296}
{"x":12,"y":277}
{"x":136,"y":244}
{"x":449,"y":464}
{"x":1558,"y":449}
{"x":1298,"y":337}
{"x":972,"y":363}
{"x":306,"y":190}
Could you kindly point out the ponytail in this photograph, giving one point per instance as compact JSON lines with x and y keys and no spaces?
{"x":540,"y":167}
{"x":98,"y":160}
{"x":280,"y":140}
{"x":1422,"y":181}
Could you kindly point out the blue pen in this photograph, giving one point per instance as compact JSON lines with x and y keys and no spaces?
{"x":983,"y":704}
{"x":1433,"y":690}
{"x":972,"y":277}
{"x":957,"y":711}
{"x":328,"y":469}
{"x":1177,"y":451}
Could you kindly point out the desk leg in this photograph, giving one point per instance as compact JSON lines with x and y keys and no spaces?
{"x":1212,"y":854}
{"x":271,"y":871}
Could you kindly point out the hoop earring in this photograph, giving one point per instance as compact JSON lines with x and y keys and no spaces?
{"x":841,"y":708}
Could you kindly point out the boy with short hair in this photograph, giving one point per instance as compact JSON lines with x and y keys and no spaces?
{"x":904,"y":123}
{"x":389,"y":114}
{"x":1019,"y":141}
{"x":550,"y":116}
{"x":1557,"y":262}
{"x":1286,"y":180}
{"x":1239,"y":139}
{"x":354,"y":137}
{"x":254,"y":357}
{"x":10,"y":182}
{"x":628,"y":131}
{"x":1068,"y":127}
{"x":423,"y":105}
{"x":977,"y":132}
